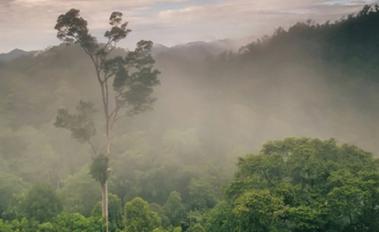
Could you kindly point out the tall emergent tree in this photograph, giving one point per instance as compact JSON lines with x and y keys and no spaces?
{"x":126,"y":84}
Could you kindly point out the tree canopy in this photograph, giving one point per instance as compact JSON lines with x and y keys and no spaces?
{"x":302,"y":185}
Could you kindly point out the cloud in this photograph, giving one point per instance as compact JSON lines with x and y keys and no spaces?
{"x":240,"y":18}
{"x":29,"y":23}
{"x":349,"y":2}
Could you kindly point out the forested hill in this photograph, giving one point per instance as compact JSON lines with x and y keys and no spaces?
{"x":213,"y":106}
{"x":310,"y":79}
{"x":349,"y":45}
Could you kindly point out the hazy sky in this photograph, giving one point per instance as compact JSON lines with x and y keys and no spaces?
{"x":28,"y":24}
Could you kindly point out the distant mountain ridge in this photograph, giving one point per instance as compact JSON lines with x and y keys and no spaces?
{"x":200,"y":49}
{"x":14,"y":54}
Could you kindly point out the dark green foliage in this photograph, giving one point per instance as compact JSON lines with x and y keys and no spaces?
{"x":73,"y":28}
{"x":41,"y":203}
{"x":135,"y":85}
{"x":77,"y":223}
{"x":81,"y":124}
{"x":133,"y":76}
{"x":303,"y":185}
{"x":139,"y":217}
{"x":118,"y":30}
{"x":100,"y":168}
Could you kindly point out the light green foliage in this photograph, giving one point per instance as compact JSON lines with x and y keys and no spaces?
{"x":139,"y":217}
{"x":177,"y":229}
{"x":77,"y":223}
{"x":24,"y":225}
{"x":159,"y":230}
{"x":157,"y":208}
{"x":201,"y":195}
{"x":193,"y":220}
{"x":62,"y":223}
{"x":79,"y":193}
{"x":10,"y":186}
{"x":221,"y":218}
{"x":4,"y":227}
{"x":46,"y":227}
{"x":196,"y":228}
{"x":41,"y":203}
{"x":174,"y":209}
{"x":258,"y":211}
{"x":115,"y":212}
{"x":353,"y":200}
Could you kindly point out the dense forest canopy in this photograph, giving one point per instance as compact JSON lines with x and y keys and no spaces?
{"x":176,"y":168}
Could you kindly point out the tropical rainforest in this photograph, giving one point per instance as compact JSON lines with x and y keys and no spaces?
{"x":279,"y":136}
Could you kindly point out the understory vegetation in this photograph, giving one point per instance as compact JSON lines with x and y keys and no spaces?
{"x":296,"y":184}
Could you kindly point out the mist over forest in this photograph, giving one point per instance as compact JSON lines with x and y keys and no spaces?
{"x":214,"y":105}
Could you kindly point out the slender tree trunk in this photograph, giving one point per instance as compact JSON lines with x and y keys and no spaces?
{"x":106,"y":209}
{"x":102,"y":199}
{"x":104,"y":186}
{"x":108,"y":152}
{"x":103,"y":82}
{"x":104,"y":204}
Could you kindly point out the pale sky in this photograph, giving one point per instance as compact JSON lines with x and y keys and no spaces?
{"x":29,"y":24}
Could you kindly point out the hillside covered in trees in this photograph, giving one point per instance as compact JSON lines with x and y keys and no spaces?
{"x":183,"y":166}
